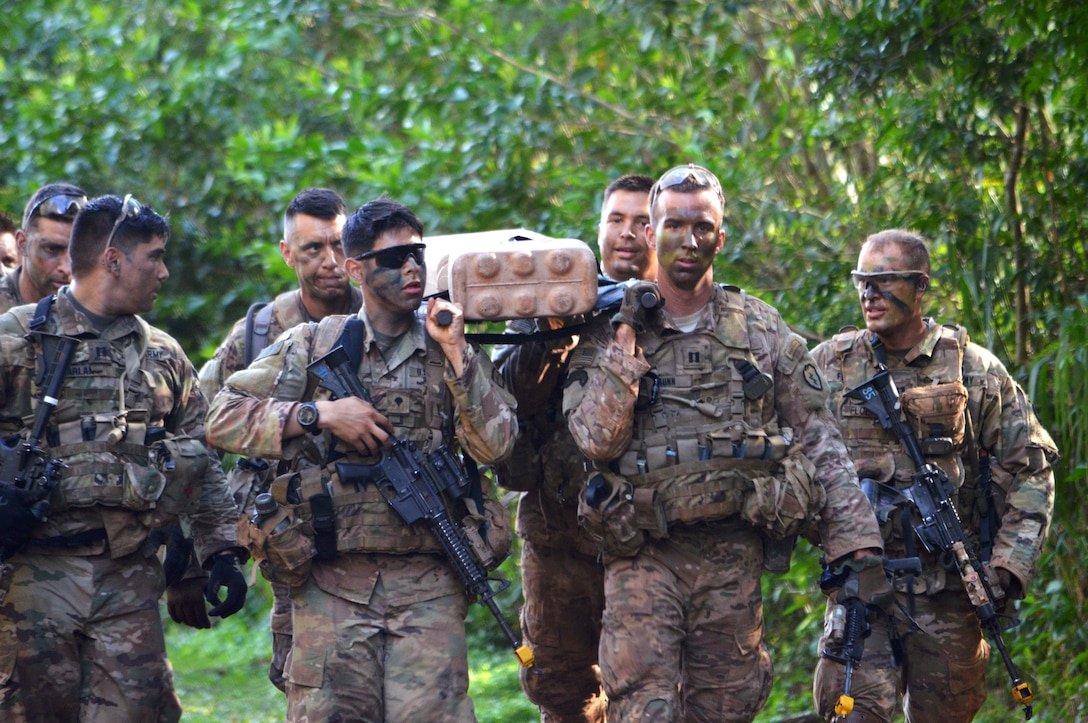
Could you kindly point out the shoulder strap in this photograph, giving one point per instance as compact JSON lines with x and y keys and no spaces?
{"x":41,"y":312}
{"x":258,"y":323}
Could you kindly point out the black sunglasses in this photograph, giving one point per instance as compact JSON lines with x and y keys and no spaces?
{"x":395,"y":256}
{"x":692,"y":173}
{"x":130,"y":208}
{"x":61,"y":204}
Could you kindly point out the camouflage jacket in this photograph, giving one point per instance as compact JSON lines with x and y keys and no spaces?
{"x":603,"y":387}
{"x":9,"y":290}
{"x":545,"y":463}
{"x":249,"y":414}
{"x":999,"y":419}
{"x":287,"y":312}
{"x":159,"y":385}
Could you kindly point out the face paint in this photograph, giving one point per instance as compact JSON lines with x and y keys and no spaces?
{"x":890,"y":296}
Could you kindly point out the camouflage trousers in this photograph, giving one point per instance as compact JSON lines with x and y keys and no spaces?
{"x":682,"y":633}
{"x":81,"y":639}
{"x":941,"y":670}
{"x":377,"y":662}
{"x":561,"y":622}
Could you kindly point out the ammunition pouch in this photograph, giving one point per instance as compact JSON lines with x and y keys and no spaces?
{"x":183,"y":463}
{"x":282,"y":549}
{"x":938,"y":414}
{"x":782,"y":504}
{"x":620,"y":523}
{"x":488,"y":533}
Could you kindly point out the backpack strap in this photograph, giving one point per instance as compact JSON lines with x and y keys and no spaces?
{"x":258,"y":324}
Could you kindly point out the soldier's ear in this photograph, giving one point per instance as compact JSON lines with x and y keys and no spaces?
{"x":922,"y":284}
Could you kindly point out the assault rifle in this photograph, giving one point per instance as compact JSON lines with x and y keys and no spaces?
{"x":24,"y":465}
{"x":415,"y":486}
{"x":937,"y":523}
{"x":848,"y":625}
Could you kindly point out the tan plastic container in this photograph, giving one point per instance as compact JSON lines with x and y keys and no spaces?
{"x":523,"y":276}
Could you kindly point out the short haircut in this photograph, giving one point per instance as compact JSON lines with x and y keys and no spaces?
{"x":94,"y":224}
{"x":323,"y":203}
{"x":914,"y":246}
{"x":689,"y":178}
{"x":48,"y":191}
{"x":636,"y":182}
{"x":7,"y":223}
{"x":371,"y":220}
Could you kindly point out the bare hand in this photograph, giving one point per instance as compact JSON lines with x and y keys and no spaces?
{"x":451,"y":337}
{"x":357,"y":423}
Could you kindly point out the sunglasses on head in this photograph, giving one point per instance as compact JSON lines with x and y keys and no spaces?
{"x":130,"y":208}
{"x":395,"y":256}
{"x":691,"y":173}
{"x":61,"y":204}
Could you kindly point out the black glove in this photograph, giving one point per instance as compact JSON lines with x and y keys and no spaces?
{"x":281,"y":646}
{"x":637,"y":297}
{"x":179,"y":550}
{"x":863,"y":578}
{"x":185,"y":603}
{"x":226,"y":572}
{"x":17,"y":520}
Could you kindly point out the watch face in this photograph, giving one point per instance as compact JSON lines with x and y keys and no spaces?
{"x":307,"y":415}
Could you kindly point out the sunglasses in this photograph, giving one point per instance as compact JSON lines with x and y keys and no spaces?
{"x":883,"y":280}
{"x":130,"y":209}
{"x":691,"y":173}
{"x":62,"y":204}
{"x":395,"y":256}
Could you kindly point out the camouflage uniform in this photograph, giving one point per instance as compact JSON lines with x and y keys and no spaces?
{"x":80,"y":633}
{"x":246,"y":480}
{"x":10,"y":297}
{"x":367,"y":623}
{"x":710,"y":473}
{"x":942,"y":655}
{"x":562,"y":579}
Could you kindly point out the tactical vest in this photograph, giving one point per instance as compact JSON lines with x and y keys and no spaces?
{"x":932,"y":396}
{"x":100,"y":429}
{"x":423,"y":413}
{"x":698,"y":438}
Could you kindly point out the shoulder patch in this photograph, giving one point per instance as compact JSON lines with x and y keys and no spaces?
{"x":273,"y":348}
{"x":812,"y":377}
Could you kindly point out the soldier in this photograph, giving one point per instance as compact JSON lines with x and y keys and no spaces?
{"x":378,"y":616}
{"x":42,"y":244}
{"x":562,"y":579}
{"x":969,"y":415}
{"x":311,"y":246}
{"x":9,"y":250}
{"x":707,"y":425}
{"x":80,"y":624}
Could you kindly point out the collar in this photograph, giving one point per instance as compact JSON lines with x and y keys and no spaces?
{"x":413,"y":341}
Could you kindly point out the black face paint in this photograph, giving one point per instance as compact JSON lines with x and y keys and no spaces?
{"x":871,"y":290}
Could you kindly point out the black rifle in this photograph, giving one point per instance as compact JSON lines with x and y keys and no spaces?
{"x":24,"y":465}
{"x":413,"y":485}
{"x":850,"y":627}
{"x":936,"y":521}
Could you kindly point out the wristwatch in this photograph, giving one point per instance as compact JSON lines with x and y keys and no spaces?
{"x":307,"y":417}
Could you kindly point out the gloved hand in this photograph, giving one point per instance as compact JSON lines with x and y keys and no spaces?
{"x":281,"y":646}
{"x":1010,"y":584}
{"x":16,"y":519}
{"x":864,"y":578}
{"x":185,"y":603}
{"x":179,"y":550}
{"x":226,"y":572}
{"x":637,"y":297}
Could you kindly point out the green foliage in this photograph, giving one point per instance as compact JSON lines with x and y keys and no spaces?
{"x":963,"y":119}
